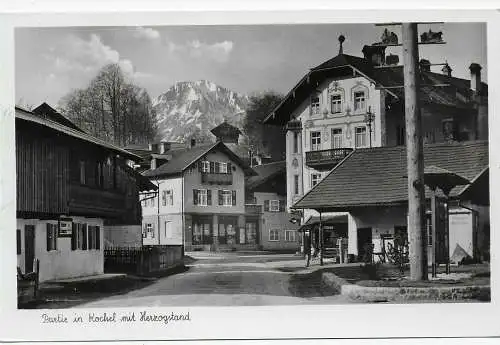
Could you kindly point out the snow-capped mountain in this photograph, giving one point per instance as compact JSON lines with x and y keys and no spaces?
{"x":191,"y":109}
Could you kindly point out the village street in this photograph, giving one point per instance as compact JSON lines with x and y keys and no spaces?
{"x":230,"y":279}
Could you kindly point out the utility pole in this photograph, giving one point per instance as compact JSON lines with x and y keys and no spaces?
{"x":415,"y":155}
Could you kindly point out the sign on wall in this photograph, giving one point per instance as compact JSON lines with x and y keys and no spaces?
{"x":65,"y":227}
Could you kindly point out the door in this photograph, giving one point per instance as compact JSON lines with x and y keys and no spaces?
{"x":29,"y":250}
{"x":364,"y":239}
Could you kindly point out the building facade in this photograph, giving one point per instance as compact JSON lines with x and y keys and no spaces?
{"x":267,"y":191}
{"x":200,"y":201}
{"x":70,"y":187}
{"x":351,"y":102}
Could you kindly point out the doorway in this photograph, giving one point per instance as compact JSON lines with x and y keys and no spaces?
{"x":29,"y":248}
{"x":364,"y":239}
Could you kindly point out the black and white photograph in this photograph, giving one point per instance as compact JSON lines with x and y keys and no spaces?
{"x":162,"y":167}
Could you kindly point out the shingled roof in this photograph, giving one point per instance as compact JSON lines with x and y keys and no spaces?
{"x":265,"y":172}
{"x":183,"y":158}
{"x":376,"y":176}
{"x":384,"y":78}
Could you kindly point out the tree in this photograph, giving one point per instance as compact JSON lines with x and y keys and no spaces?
{"x":264,"y":139}
{"x":112,"y":108}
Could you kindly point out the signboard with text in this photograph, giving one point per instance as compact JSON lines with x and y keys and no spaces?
{"x":65,"y":227}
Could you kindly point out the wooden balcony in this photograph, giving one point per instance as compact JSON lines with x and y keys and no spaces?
{"x":323,"y":160}
{"x":253,"y":209}
{"x":96,"y":202}
{"x":214,"y":178}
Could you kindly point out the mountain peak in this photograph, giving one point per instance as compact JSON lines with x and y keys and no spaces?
{"x":193,"y":108}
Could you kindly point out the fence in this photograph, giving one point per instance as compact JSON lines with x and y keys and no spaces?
{"x":143,"y":260}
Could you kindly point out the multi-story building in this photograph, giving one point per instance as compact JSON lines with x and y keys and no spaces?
{"x":200,"y":200}
{"x":351,"y":102}
{"x":70,"y":188}
{"x":267,"y":191}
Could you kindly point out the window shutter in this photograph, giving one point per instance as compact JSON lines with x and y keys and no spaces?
{"x":209,"y":197}
{"x":282,"y":205}
{"x":233,"y":197}
{"x":200,"y":165}
{"x":195,"y":197}
{"x":73,"y":236}
{"x":212,"y":167}
{"x":220,"y":197}
{"x":84,"y":239}
{"x":48,"y":236}
{"x":229,"y":168}
{"x":97,"y":238}
{"x":266,"y":205}
{"x":217,"y":167}
{"x":18,"y":239}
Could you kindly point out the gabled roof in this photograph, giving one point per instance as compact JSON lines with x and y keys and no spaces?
{"x":184,"y":158}
{"x":388,"y":78}
{"x":29,"y":117}
{"x":225,"y":128}
{"x":45,"y":110}
{"x":377,"y":176}
{"x":265,"y":172}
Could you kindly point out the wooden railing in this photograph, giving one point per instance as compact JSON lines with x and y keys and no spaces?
{"x":326,"y":158}
{"x":253,"y":209}
{"x":214,"y":178}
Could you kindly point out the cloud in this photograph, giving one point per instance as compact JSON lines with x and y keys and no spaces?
{"x":219,"y":51}
{"x":146,"y":33}
{"x":75,"y":57}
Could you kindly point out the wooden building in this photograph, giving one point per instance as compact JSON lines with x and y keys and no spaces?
{"x":70,"y":186}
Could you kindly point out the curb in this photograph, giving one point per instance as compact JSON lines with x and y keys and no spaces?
{"x":401,"y":294}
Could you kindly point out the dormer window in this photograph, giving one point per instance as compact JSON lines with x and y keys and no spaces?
{"x":315,"y":104}
{"x":336,"y":104}
{"x":359,"y":100}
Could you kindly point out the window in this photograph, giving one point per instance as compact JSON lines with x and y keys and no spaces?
{"x":290,"y":236}
{"x":18,"y":241}
{"x":202,"y":231}
{"x":201,"y":197}
{"x":152,"y":201}
{"x":168,"y":230}
{"x":315,"y":104}
{"x":79,"y":236}
{"x":274,"y":235}
{"x":167,"y":197}
{"x":360,"y":137}
{"x":148,"y":231}
{"x":296,"y":184}
{"x":223,"y":168}
{"x":315,"y":141}
{"x":337,"y":138}
{"x":315,"y":178}
{"x":205,"y":166}
{"x":274,"y":205}
{"x":227,"y":198}
{"x":359,"y":100}
{"x":336,"y":103}
{"x":295,"y":142}
{"x":51,"y":237}
{"x":94,"y":237}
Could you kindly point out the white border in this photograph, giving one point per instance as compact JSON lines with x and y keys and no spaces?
{"x":338,"y":321}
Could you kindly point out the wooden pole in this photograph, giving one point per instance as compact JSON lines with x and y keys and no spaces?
{"x":320,"y":241}
{"x":415,"y":157}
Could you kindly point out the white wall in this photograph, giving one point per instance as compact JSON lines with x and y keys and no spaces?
{"x":63,"y":262}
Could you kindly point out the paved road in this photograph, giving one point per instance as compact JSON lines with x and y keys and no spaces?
{"x":229,"y":280}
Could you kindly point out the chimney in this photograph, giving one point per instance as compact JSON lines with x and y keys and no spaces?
{"x":153,"y":163}
{"x":375,"y":54}
{"x":164,"y":147}
{"x":425,"y":65}
{"x":475,"y":77}
{"x":446,"y":70}
{"x":193,"y":143}
{"x":150,"y":147}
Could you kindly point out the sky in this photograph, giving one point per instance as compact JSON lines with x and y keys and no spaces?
{"x":50,"y":62}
